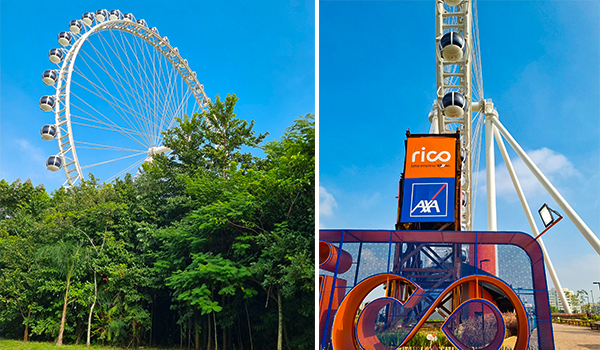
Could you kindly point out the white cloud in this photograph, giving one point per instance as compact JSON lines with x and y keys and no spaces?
{"x":555,"y":166}
{"x":30,"y":152}
{"x":326,"y":202}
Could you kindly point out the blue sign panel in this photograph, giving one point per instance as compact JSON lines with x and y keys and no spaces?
{"x":428,"y":200}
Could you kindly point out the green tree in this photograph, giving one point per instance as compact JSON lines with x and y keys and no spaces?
{"x":63,"y":256}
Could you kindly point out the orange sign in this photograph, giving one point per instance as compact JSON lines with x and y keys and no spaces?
{"x":430,"y":157}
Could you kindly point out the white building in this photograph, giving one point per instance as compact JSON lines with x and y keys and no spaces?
{"x":555,"y":300}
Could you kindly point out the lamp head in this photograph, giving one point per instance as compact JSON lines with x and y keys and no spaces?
{"x":547,"y":215}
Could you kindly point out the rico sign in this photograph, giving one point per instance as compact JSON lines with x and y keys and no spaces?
{"x":430,"y":157}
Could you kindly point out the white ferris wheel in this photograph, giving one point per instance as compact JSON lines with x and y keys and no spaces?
{"x":460,"y":104}
{"x":118,"y":85}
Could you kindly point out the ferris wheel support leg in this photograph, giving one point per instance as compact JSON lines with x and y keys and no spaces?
{"x":534,"y":230}
{"x":492,"y":222}
{"x":490,"y":176}
{"x":581,"y":226}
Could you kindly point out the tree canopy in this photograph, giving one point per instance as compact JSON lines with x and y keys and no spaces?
{"x":208,"y":247}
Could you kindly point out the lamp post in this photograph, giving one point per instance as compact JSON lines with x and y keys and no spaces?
{"x":481,"y":263}
{"x":548,"y":219}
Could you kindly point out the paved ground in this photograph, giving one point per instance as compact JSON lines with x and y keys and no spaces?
{"x":568,"y":337}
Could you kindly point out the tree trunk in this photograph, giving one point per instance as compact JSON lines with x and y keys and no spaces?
{"x":216,"y":338}
{"x":285,"y":337}
{"x":209,"y":346}
{"x":189,"y":337}
{"x":26,"y":334}
{"x":239,"y":333}
{"x":224,"y":329}
{"x":59,"y":341}
{"x":280,"y":326}
{"x":89,"y":327}
{"x":249,"y":328}
{"x":196,"y":330}
{"x":152,"y":312}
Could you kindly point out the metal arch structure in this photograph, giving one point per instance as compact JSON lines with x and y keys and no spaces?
{"x":62,"y":108}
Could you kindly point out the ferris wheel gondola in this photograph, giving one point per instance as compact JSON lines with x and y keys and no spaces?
{"x":118,"y":86}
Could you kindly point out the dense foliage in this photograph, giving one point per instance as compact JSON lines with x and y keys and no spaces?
{"x":208,"y":247}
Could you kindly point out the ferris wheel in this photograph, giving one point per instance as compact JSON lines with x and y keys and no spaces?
{"x":118,"y":85}
{"x":460,"y":105}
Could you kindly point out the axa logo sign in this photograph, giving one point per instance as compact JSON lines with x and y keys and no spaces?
{"x":426,"y":203}
{"x":428,"y":200}
{"x":427,"y":206}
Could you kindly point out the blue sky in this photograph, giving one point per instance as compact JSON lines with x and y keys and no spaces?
{"x":541,"y":68}
{"x":264,"y":52}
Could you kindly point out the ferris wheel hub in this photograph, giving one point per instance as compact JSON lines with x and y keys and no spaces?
{"x":152,"y":151}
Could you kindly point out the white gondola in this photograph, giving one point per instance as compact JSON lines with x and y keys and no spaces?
{"x":114,"y":15}
{"x":183,"y":63}
{"x":101,"y":15}
{"x":54,"y":163}
{"x":452,"y":2}
{"x":75,"y":26}
{"x":454,"y":104}
{"x":129,"y":17}
{"x":56,"y":55}
{"x":155,"y":30}
{"x":166,"y":39}
{"x":47,"y":103}
{"x":452,"y":46}
{"x":142,"y":22}
{"x":48,"y":132}
{"x":174,"y":52}
{"x":88,"y":18}
{"x":50,"y":76}
{"x":64,"y":38}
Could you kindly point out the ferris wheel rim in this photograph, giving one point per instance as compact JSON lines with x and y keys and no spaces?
{"x":63,"y":94}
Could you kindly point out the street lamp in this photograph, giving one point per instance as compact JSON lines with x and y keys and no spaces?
{"x":546,"y":215}
{"x":598,"y":283}
{"x":481,"y":262}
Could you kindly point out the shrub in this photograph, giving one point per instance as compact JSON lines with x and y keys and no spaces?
{"x":511,"y":324}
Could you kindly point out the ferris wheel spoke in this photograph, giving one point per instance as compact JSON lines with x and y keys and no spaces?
{"x":116,"y":108}
{"x":141,"y":84}
{"x":182,"y":106}
{"x":116,"y":126}
{"x":101,"y":87}
{"x":125,"y":132}
{"x":148,"y":92}
{"x":114,"y":160}
{"x":164,"y":86}
{"x":169,"y":111}
{"x":114,"y":103}
{"x":90,"y":145}
{"x":126,"y":170}
{"x":129,"y":70}
{"x":118,"y":80}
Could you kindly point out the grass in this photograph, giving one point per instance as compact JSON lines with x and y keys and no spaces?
{"x":21,"y":345}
